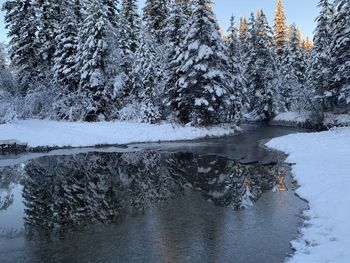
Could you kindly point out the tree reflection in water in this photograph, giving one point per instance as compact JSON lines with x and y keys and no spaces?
{"x":9,"y":176}
{"x":95,"y":188}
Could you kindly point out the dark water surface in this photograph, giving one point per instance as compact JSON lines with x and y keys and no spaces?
{"x":215,"y":200}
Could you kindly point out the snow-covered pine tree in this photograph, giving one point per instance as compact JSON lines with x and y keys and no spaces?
{"x":319,"y":76}
{"x":65,"y":60}
{"x":260,"y":71}
{"x":130,"y":25}
{"x":113,"y":12}
{"x":205,"y":78}
{"x":340,"y":53}
{"x":238,"y":91}
{"x":155,"y":14}
{"x":179,"y":14}
{"x":243,"y":44}
{"x":301,"y":61}
{"x":243,"y":26}
{"x":114,"y":54}
{"x":48,"y":17}
{"x":243,"y":32}
{"x":65,"y":66}
{"x":293,"y":72}
{"x":280,"y":28}
{"x":175,"y":33}
{"x":40,"y":96}
{"x":21,"y":24}
{"x":308,"y":45}
{"x":287,"y":77}
{"x":243,"y":29}
{"x":77,"y":10}
{"x":129,"y":42}
{"x":147,"y":74}
{"x":6,"y":78}
{"x":3,"y":63}
{"x":299,"y":37}
{"x":233,"y":41}
{"x":93,"y":54}
{"x":187,"y":6}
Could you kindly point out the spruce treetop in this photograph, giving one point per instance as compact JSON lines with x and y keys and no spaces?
{"x":280,"y":28}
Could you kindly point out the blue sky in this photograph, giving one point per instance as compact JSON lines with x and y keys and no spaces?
{"x":302,"y":12}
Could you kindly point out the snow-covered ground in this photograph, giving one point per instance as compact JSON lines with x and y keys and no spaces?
{"x":322,"y":169}
{"x":337,"y":120}
{"x":293,"y":117}
{"x":81,"y":134}
{"x":296,"y":118}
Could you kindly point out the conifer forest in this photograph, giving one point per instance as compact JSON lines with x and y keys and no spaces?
{"x":175,"y":131}
{"x":103,"y":60}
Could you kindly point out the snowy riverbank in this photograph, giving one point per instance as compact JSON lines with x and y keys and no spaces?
{"x":42,"y":133}
{"x":323,"y":172}
{"x":303,"y":119}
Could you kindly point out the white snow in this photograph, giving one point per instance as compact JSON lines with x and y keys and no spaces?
{"x":294,"y":117}
{"x":330,"y":120}
{"x":322,"y":169}
{"x":337,"y":120}
{"x":200,"y":102}
{"x":81,"y":134}
{"x":204,"y":52}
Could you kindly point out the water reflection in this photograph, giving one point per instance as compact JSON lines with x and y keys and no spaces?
{"x":104,"y":187}
{"x":9,"y":177}
{"x":149,"y":207}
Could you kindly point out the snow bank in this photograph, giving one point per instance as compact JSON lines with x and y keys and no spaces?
{"x":331,"y":119}
{"x":337,"y":120}
{"x":78,"y":134}
{"x":323,"y":172}
{"x":293,"y":117}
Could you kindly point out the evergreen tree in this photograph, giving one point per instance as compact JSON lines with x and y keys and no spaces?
{"x":3,"y":63}
{"x":340,"y":53}
{"x":155,"y":15}
{"x":112,"y":12}
{"x":243,"y":27}
{"x":77,"y":10}
{"x":280,"y":28}
{"x":293,"y":71}
{"x":176,"y":31}
{"x":238,"y":93}
{"x":65,"y":60}
{"x":199,"y":94}
{"x":308,"y":45}
{"x":6,"y":78}
{"x":129,"y":42}
{"x":21,"y":24}
{"x":243,"y":34}
{"x":179,"y":14}
{"x":93,"y":53}
{"x":232,"y":39}
{"x":319,"y":77}
{"x":299,"y":37}
{"x":66,"y":71}
{"x":260,"y":71}
{"x":114,"y":57}
{"x":147,"y":72}
{"x":186,"y":6}
{"x":130,"y":25}
{"x":300,"y":64}
{"x":48,"y":17}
